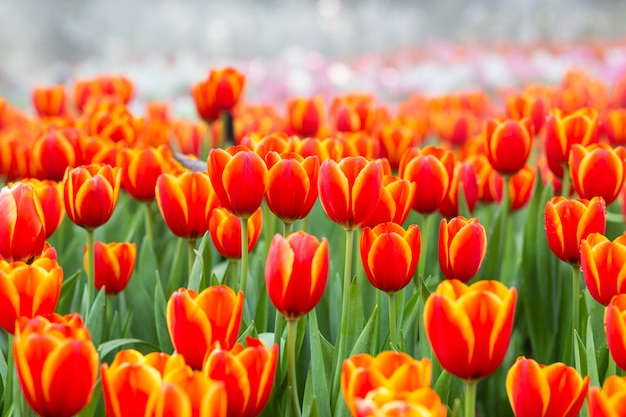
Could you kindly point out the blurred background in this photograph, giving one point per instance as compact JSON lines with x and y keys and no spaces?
{"x":303,"y":43}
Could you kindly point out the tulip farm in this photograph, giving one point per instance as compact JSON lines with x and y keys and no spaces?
{"x":340,"y":254}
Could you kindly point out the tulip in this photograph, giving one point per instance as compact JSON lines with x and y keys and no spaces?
{"x":22,"y":224}
{"x":396,"y":138}
{"x":264,"y":144}
{"x":603,"y":264}
{"x":383,"y":402}
{"x":352,"y":113}
{"x":608,"y":401}
{"x":28,"y":290}
{"x":432,"y":169}
{"x":53,"y":152}
{"x":587,"y":164}
{"x":521,"y":186}
{"x":394,"y":204}
{"x":396,"y":372}
{"x":469,"y":327}
{"x":57,"y":364}
{"x":359,"y":144}
{"x":462,"y":247}
{"x":114,"y":87}
{"x":292,"y":185}
{"x":306,"y":115}
{"x":247,"y":373}
{"x":199,"y":322}
{"x":615,"y":328}
{"x":464,"y":176}
{"x":615,"y":126}
{"x":533,"y":106}
{"x":50,"y":196}
{"x":114,"y":265}
{"x":508,"y":144}
{"x":113,"y":122}
{"x":225,"y":230}
{"x":49,"y":101}
{"x":225,"y":87}
{"x":141,"y":167}
{"x":535,"y":390}
{"x":205,"y":104}
{"x":324,"y":149}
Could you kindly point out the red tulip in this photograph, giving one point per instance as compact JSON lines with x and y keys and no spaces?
{"x":306,"y":115}
{"x":225,"y":230}
{"x":615,"y":328}
{"x":508,"y":144}
{"x":49,"y":101}
{"x":462,"y":247}
{"x":395,"y":202}
{"x":610,"y":401}
{"x":141,"y":167}
{"x":114,"y":265}
{"x":587,"y":164}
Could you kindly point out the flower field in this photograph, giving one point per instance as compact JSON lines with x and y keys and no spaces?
{"x":408,"y":253}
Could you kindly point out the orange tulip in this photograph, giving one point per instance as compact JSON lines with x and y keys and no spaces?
{"x":507,"y":144}
{"x":57,"y":364}
{"x":49,"y":101}
{"x":186,"y":202}
{"x":323,"y":148}
{"x":469,"y":327}
{"x":141,"y":168}
{"x":113,"y":87}
{"x":615,"y":329}
{"x":535,"y":390}
{"x":292,"y":185}
{"x":395,"y":202}
{"x":53,"y":152}
{"x":306,"y":115}
{"x":455,"y":126}
{"x":564,"y":131}
{"x":432,"y":169}
{"x":521,"y":186}
{"x":188,"y":136}
{"x":50,"y":196}
{"x":533,"y":106}
{"x":239,"y":177}
{"x":264,"y":144}
{"x":603,"y":264}
{"x":352,"y":113}
{"x":220,"y":91}
{"x":350,"y":190}
{"x":113,"y":122}
{"x":615,"y":126}
{"x":395,"y":372}
{"x":462,"y":247}
{"x":114,"y":265}
{"x":390,"y":255}
{"x":205,"y":104}
{"x":247,"y":373}
{"x":198,"y":322}
{"x":610,"y":401}
{"x":396,"y":138}
{"x":463,"y":176}
{"x":28,"y":290}
{"x":382,"y":402}
{"x":296,"y":273}
{"x":568,"y":222}
{"x":225,"y":230}
{"x":90,"y":193}
{"x":132,"y":379}
{"x":587,"y":164}
{"x":22,"y":224}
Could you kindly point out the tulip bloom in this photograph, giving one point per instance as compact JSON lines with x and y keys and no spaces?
{"x":535,"y":390}
{"x":615,"y":126}
{"x":90,"y":193}
{"x":464,"y":176}
{"x":588,"y":164}
{"x":432,"y":169}
{"x":114,"y":265}
{"x":610,"y":400}
{"x":199,"y":322}
{"x":186,"y":202}
{"x":383,"y":402}
{"x":50,"y":195}
{"x":292,"y":185}
{"x":469,"y":327}
{"x":22,"y":224}
{"x":49,"y":101}
{"x":568,"y":222}
{"x":296,"y":273}
{"x":508,"y":144}
{"x":239,"y":177}
{"x":531,"y":105}
{"x":603,"y":264}
{"x":462,"y":247}
{"x":350,"y":190}
{"x":225,"y":230}
{"x":225,"y":87}
{"x":57,"y":364}
{"x":390,"y":255}
{"x":306,"y":115}
{"x":395,"y":202}
{"x":53,"y":152}
{"x":247,"y":373}
{"x":521,"y":186}
{"x":396,"y":372}
{"x":141,"y":167}
{"x":615,"y":328}
{"x":396,"y":138}
{"x":28,"y":290}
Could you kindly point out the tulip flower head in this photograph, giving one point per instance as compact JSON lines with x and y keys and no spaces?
{"x":603,"y":264}
{"x":114,"y":265}
{"x":587,"y":164}
{"x":462,"y":247}
{"x":469,"y":327}
{"x":395,"y":202}
{"x":608,"y":401}
{"x":50,"y":101}
{"x":508,"y":144}
{"x":306,"y":115}
{"x":615,"y":329}
{"x":225,"y":230}
{"x":141,"y":167}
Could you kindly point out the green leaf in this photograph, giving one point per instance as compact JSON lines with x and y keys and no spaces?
{"x":592,"y":365}
{"x":64,"y":306}
{"x":411,"y":310}
{"x":96,"y":317}
{"x":160,"y":306}
{"x":107,"y":347}
{"x":197,"y":276}
{"x":319,"y":369}
{"x":366,"y":340}
{"x":448,"y":387}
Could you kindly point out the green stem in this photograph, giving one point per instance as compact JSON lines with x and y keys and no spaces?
{"x":424,"y":252}
{"x":91,"y":267}
{"x":244,"y":254}
{"x":565,"y":182}
{"x":191,"y":256}
{"x":149,"y":232}
{"x":292,"y":333}
{"x":278,"y":327}
{"x":305,"y":223}
{"x":575,"y":298}
{"x":611,"y":367}
{"x":393,"y":330}
{"x":225,"y":128}
{"x":286,"y":229}
{"x":470,"y":398}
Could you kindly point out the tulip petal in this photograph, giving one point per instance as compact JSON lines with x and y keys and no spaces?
{"x":334,"y":192}
{"x":528,"y":389}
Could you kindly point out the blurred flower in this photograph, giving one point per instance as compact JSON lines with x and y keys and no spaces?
{"x":528,"y":104}
{"x":57,"y":364}
{"x":469,"y":327}
{"x":28,"y":290}
{"x":186,"y":202}
{"x":90,"y":193}
{"x":50,"y":194}
{"x":395,"y":202}
{"x":535,"y":390}
{"x":49,"y":101}
{"x":116,"y":87}
{"x":306,"y":115}
{"x":296,"y":272}
{"x":432,"y":169}
{"x":397,"y":372}
{"x":383,"y":402}
{"x":247,"y":373}
{"x":220,"y":91}
{"x":568,"y":222}
{"x":114,"y":265}
{"x":350,"y":190}
{"x":521,"y":186}
{"x":264,"y":144}
{"x":359,"y":143}
{"x":462,"y":247}
{"x":399,"y":136}
{"x":292,"y":186}
{"x":188,"y":137}
{"x":225,"y":230}
{"x":608,"y":401}
{"x":141,"y":168}
{"x":615,"y":329}
{"x":390,"y":255}
{"x":587,"y":164}
{"x":615,"y":126}
{"x":508,"y":144}
{"x":22,"y":223}
{"x":463,"y":176}
{"x":324,"y":149}
{"x":352,"y":112}
{"x":53,"y":152}
{"x":239,"y":177}
{"x":455,"y":126}
{"x":198,"y":323}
